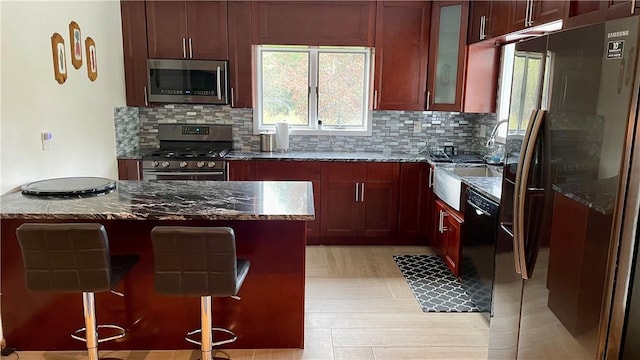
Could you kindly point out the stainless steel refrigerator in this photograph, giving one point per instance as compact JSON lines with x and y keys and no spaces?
{"x":569,"y":207}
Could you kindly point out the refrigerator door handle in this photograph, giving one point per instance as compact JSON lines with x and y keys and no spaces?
{"x":522,"y":190}
{"x":518,"y":185}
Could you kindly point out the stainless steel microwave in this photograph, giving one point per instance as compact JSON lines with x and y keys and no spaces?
{"x":188,"y":81}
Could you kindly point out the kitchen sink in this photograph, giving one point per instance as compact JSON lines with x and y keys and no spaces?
{"x":448,"y":181}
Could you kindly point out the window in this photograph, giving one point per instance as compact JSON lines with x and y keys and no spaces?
{"x":315,"y":89}
{"x":523,"y":87}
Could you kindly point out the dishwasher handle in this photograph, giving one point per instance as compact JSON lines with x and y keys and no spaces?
{"x":479,"y":211}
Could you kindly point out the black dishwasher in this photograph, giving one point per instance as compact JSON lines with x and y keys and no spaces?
{"x":478,"y":249}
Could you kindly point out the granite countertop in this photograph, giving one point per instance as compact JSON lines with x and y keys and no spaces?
{"x":174,"y":200}
{"x":600,"y":195}
{"x":487,"y":186}
{"x":329,"y":156}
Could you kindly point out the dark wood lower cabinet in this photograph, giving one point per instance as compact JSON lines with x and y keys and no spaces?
{"x":578,"y":256}
{"x":269,"y":315}
{"x":447,"y":235}
{"x":359,"y":202}
{"x":415,"y":202}
{"x":356,"y":203}
{"x":129,"y":169}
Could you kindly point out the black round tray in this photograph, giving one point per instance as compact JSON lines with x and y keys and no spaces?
{"x":70,"y":187}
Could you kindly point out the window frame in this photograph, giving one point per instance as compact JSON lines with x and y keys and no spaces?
{"x":312,"y":82}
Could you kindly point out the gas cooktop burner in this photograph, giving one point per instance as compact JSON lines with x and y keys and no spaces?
{"x":188,"y":153}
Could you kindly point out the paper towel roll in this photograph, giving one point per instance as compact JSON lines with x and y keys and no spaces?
{"x":282,"y":136}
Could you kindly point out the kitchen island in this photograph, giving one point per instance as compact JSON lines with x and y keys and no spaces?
{"x":269,"y":222}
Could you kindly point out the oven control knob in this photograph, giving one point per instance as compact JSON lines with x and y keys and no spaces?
{"x":165,"y":164}
{"x":200,"y":164}
{"x":183,"y":164}
{"x":155,"y":163}
{"x":211,"y":164}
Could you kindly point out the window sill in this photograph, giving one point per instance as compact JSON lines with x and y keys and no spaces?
{"x":327,"y":132}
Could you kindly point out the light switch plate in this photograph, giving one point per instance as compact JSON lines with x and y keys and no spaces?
{"x":417,"y":126}
{"x":46,"y":137}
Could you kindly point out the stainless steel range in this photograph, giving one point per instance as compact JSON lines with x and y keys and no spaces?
{"x":189,"y":152}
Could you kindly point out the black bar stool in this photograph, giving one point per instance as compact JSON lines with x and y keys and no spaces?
{"x":74,"y":258}
{"x":199,"y":261}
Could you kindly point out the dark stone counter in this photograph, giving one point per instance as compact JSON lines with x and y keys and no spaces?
{"x":328,"y":156}
{"x":600,"y":195}
{"x":173,"y":200}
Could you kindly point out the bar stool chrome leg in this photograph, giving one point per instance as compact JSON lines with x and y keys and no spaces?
{"x":88,"y":302}
{"x":205,"y":325}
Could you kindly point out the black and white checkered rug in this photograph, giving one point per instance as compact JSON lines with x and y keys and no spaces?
{"x":433,"y":284}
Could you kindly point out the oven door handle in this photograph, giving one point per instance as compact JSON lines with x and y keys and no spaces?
{"x":182,"y":173}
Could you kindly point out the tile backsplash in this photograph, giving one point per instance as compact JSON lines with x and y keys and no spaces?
{"x":392,"y":131}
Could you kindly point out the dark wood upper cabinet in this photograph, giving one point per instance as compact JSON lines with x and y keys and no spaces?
{"x":528,"y":13}
{"x":134,"y":41}
{"x":447,"y":55}
{"x":187,"y":30}
{"x":340,"y":23}
{"x":499,"y":18}
{"x":585,"y":12}
{"x":479,"y":21}
{"x":402,"y":46}
{"x":240,"y":61}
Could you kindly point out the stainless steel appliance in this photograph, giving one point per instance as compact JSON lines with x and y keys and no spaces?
{"x":189,"y":152}
{"x":569,"y":196}
{"x":478,"y":249}
{"x":188,"y":81}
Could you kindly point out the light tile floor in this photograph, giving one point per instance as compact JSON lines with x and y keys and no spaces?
{"x":358,"y":307}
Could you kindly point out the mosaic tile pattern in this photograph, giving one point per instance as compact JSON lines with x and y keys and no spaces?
{"x":392,"y":131}
{"x":433,"y":284}
{"x":126,"y":125}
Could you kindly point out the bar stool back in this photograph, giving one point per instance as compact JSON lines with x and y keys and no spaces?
{"x":74,"y":258}
{"x":198,"y":261}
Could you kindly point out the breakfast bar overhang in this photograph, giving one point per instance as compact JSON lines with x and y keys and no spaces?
{"x":269,"y":220}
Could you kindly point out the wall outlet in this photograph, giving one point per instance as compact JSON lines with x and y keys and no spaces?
{"x":417,"y":126}
{"x":46,"y":137}
{"x":483,"y":130}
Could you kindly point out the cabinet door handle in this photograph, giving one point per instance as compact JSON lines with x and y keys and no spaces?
{"x":530,"y":13}
{"x":232,"y":102}
{"x":430,"y":177}
{"x":146,"y":99}
{"x":375,"y":99}
{"x":138,"y":177}
{"x":444,"y":214}
{"x":633,"y":7}
{"x":440,"y":221}
{"x":184,"y":48}
{"x":482,"y":20}
{"x":357,"y":186}
{"x":190,"y":49}
{"x":362,"y":192}
{"x":428,"y":98}
{"x":219,"y":84}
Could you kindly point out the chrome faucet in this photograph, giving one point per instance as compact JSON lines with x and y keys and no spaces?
{"x":492,"y":138}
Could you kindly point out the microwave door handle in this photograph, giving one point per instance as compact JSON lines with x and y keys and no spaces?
{"x":516,"y":199}
{"x":526,"y":167}
{"x":219,"y":84}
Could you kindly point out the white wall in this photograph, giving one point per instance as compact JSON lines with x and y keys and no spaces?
{"x":79,"y":112}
